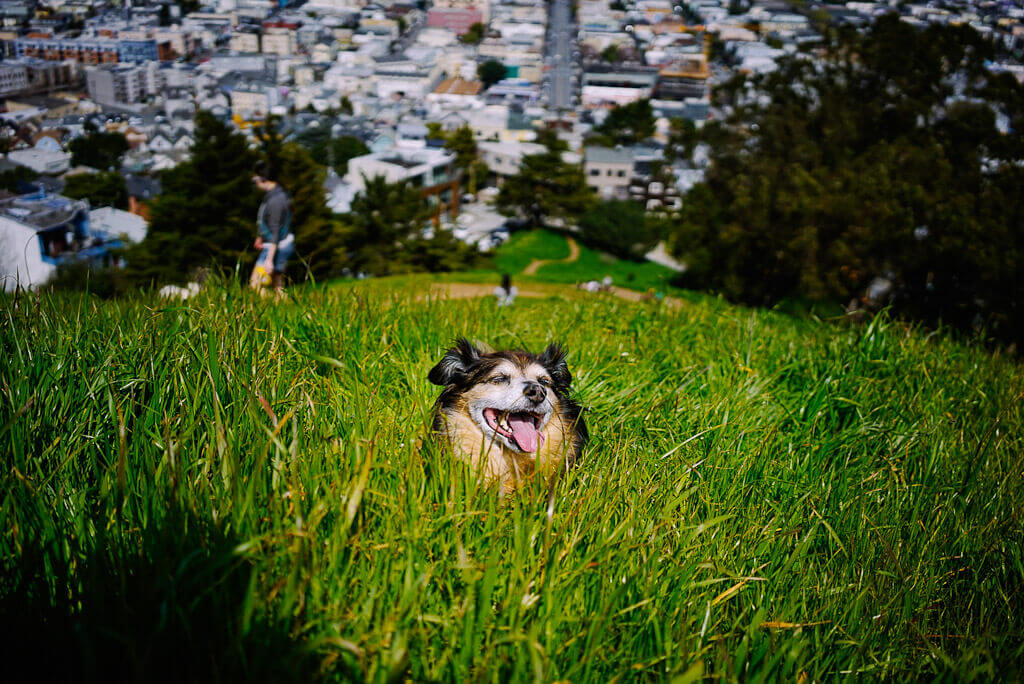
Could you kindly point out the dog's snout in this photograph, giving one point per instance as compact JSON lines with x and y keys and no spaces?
{"x":534,"y":392}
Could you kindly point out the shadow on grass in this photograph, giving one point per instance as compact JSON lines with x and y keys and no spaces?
{"x":174,"y":603}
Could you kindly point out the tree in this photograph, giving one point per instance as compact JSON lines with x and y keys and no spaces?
{"x":682,"y":139}
{"x":548,"y":137}
{"x":105,"y":189}
{"x":474,"y":34}
{"x":15,"y":180}
{"x":545,"y":187}
{"x":611,"y":54}
{"x":858,"y":171}
{"x":328,"y":151}
{"x":386,"y":233}
{"x":619,"y":227}
{"x":205,"y":215}
{"x":101,"y":151}
{"x":490,"y":72}
{"x":630,"y":123}
{"x":462,"y":143}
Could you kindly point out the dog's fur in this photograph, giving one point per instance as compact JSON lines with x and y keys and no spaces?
{"x":508,"y":413}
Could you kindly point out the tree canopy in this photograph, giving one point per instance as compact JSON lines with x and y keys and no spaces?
{"x":545,"y":187}
{"x":620,"y":227}
{"x":628,"y":124}
{"x":387,"y":233}
{"x":105,"y":189}
{"x":205,"y":215}
{"x":877,"y":170}
{"x":328,"y":151}
{"x":474,"y":34}
{"x":101,"y":151}
{"x":490,"y":72}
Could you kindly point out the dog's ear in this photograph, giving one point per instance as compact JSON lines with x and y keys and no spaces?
{"x":553,"y":358}
{"x":456,"y":363}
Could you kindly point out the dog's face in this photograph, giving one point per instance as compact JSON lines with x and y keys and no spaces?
{"x":511,"y":396}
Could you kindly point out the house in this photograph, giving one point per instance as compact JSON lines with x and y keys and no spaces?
{"x":605,"y":86}
{"x":114,"y":224}
{"x":39,"y":232}
{"x":503,"y":159}
{"x":41,"y":160}
{"x":430,"y":170}
{"x":608,"y":170}
{"x":456,"y":93}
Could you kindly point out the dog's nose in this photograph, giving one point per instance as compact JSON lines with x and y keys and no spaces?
{"x":534,"y":392}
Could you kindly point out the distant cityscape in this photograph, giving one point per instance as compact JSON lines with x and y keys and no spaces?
{"x":387,"y":74}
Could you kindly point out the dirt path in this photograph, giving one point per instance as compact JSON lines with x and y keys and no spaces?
{"x":469,"y":290}
{"x":574,"y":254}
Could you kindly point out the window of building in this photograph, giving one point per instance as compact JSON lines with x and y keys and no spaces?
{"x":595,"y":172}
{"x":622,"y":173}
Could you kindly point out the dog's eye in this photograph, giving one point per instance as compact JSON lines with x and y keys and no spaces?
{"x":544,"y":380}
{"x":499,"y":380}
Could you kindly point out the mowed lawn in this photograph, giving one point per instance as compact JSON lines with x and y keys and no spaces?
{"x":229,"y":488}
{"x":525,"y":246}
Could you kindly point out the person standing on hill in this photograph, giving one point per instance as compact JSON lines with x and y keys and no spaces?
{"x":274,"y":239}
{"x":506,"y":292}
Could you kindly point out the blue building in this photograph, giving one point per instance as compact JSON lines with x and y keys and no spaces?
{"x":137,"y":51}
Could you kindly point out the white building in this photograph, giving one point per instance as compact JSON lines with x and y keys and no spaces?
{"x":49,"y":162}
{"x":38,"y":235}
{"x":13,"y":78}
{"x":116,"y":224}
{"x":279,"y":41}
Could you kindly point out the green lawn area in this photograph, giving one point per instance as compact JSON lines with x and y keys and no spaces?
{"x":593,"y":265}
{"x":232,"y":488}
{"x":526,"y":245}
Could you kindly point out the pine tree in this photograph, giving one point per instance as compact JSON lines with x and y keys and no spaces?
{"x":205,"y":215}
{"x":545,"y":187}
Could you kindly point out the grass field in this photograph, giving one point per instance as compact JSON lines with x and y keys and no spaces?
{"x":228,"y":488}
{"x":525,"y":246}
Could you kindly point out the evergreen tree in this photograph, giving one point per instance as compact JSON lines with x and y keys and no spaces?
{"x":545,"y":187}
{"x":490,"y":72}
{"x":387,"y":233}
{"x":101,"y":151}
{"x":474,"y":34}
{"x":619,"y":227}
{"x":630,"y":123}
{"x":863,"y":170}
{"x":101,"y":189}
{"x":206,"y":214}
{"x":462,"y":144}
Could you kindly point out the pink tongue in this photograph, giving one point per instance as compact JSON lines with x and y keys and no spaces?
{"x":524,"y":432}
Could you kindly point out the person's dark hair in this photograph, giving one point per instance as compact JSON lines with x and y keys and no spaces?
{"x":262,"y":169}
{"x":506,"y":282}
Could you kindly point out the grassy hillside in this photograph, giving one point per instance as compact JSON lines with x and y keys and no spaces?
{"x":525,"y":246}
{"x":230,"y":488}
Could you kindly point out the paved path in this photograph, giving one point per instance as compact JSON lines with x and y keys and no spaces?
{"x":574,"y":254}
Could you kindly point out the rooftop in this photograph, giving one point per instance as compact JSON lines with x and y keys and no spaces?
{"x":458,"y":86}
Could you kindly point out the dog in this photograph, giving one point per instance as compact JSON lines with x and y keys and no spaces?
{"x":508,"y":413}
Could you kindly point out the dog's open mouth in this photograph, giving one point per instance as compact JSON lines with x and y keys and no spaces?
{"x":521,"y":427}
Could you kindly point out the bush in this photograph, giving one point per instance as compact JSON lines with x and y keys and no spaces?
{"x":619,"y":227}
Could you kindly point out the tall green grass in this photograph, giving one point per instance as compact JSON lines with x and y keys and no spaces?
{"x":230,"y":488}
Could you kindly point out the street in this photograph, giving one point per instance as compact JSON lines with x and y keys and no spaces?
{"x":561,"y":42}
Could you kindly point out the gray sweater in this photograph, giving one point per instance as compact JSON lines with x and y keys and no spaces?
{"x":274,"y":217}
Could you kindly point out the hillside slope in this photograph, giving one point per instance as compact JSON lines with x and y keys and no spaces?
{"x":236,"y":488}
